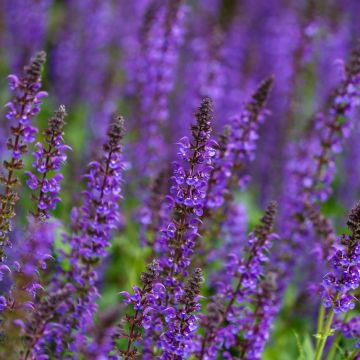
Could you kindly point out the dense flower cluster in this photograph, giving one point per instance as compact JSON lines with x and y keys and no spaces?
{"x":339,"y":284}
{"x":47,"y":160}
{"x":93,"y":223}
{"x":34,"y":257}
{"x":22,"y":41}
{"x":246,"y":274}
{"x":35,"y":250}
{"x":214,"y":282}
{"x":309,"y":172}
{"x":177,"y":239}
{"x":161,"y":37}
{"x":344,"y":276}
{"x":21,"y":110}
{"x":351,"y":329}
{"x":240,"y":145}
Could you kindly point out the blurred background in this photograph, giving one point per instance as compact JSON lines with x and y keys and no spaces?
{"x":104,"y":56}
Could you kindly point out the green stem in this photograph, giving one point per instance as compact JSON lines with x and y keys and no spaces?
{"x":334,"y":346}
{"x":335,"y":343}
{"x":321,"y":345}
{"x":320,"y":323}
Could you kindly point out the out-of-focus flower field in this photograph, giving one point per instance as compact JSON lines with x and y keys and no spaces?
{"x":180,"y":179}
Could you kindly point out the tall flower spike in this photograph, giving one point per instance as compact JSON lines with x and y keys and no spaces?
{"x":235,"y":292}
{"x":338,"y":284}
{"x":260,"y":320}
{"x":310,"y":169}
{"x":238,"y":148}
{"x":46,"y":161}
{"x":32,"y":256}
{"x":344,"y":276}
{"x":96,"y":219}
{"x":92,"y":226}
{"x":36,"y":248}
{"x":176,"y":240}
{"x":21,"y":110}
{"x":189,"y":192}
{"x":139,"y":301}
{"x":162,"y":35}
{"x":25,"y":23}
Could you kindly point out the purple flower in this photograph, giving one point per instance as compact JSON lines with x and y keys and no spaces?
{"x":237,"y":147}
{"x":139,"y":301}
{"x":25,"y":28}
{"x":21,"y":110}
{"x":92,"y":226}
{"x":309,"y":172}
{"x":351,"y":329}
{"x":166,"y":308}
{"x":83,"y":49}
{"x":34,"y":253}
{"x":229,"y":313}
{"x":48,"y":160}
{"x":344,"y":275}
{"x":161,"y":37}
{"x":3,"y":303}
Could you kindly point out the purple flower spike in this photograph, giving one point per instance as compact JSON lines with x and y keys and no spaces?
{"x":161,"y":36}
{"x":34,"y":254}
{"x":47,"y":160}
{"x":67,"y":321}
{"x":25,"y":24}
{"x":345,"y":263}
{"x":21,"y":110}
{"x":229,"y":315}
{"x":169,"y":317}
{"x":237,"y":147}
{"x":139,"y":301}
{"x":351,"y":329}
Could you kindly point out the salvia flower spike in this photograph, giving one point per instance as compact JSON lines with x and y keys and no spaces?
{"x":48,"y":160}
{"x":344,"y":277}
{"x":92,"y":225}
{"x":176,"y":242}
{"x":238,"y":147}
{"x":23,"y":107}
{"x":233,"y":318}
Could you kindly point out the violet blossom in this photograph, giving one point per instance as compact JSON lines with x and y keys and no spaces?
{"x":177,"y":241}
{"x":344,"y":275}
{"x":155,"y":65}
{"x":48,"y":160}
{"x":92,"y":226}
{"x":234,"y":300}
{"x":23,"y":107}
{"x":240,"y":147}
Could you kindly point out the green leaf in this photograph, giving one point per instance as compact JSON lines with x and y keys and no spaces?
{"x":305,"y":347}
{"x":299,"y":346}
{"x":308,"y":347}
